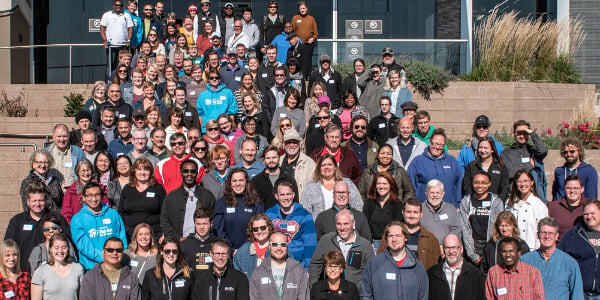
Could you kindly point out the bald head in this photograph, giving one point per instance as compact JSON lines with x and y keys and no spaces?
{"x":452,"y":240}
{"x":341,"y":195}
{"x":406,"y":127}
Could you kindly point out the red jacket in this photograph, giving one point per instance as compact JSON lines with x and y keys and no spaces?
{"x":168,"y":172}
{"x":348,"y":164}
{"x":73,"y":202}
{"x":559,"y":210}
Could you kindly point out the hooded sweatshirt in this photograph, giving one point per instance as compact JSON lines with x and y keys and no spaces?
{"x":211,"y":103}
{"x":585,"y":171}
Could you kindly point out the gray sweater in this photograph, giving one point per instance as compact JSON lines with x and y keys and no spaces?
{"x":313,"y":200}
{"x":296,"y":115}
{"x":466,"y":209}
{"x":443,"y":222}
{"x":96,"y":286}
{"x":295,"y":282}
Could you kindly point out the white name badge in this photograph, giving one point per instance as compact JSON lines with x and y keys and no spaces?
{"x":390,"y":276}
{"x":204,"y":19}
{"x":444,"y":217}
{"x":299,"y":21}
{"x":248,"y":210}
{"x":231,"y":210}
{"x":502,"y":291}
{"x":106,"y":221}
{"x":9,"y":294}
{"x":264,"y":75}
{"x":69,"y":164}
{"x":208,"y":259}
{"x":134,"y":263}
{"x":192,"y":93}
{"x":331,"y":81}
{"x":382,"y":125}
{"x":282,"y":115}
{"x":265,"y":280}
{"x":292,"y":285}
{"x":291,"y":228}
{"x":179,"y":283}
{"x":486,"y":203}
{"x":28,"y":227}
{"x":121,"y":116}
{"x":188,"y":113}
{"x":114,"y":286}
{"x":238,"y":78}
{"x":222,"y":97}
{"x":524,"y":160}
{"x":150,"y":194}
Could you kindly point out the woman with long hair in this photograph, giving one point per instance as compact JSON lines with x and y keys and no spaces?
{"x":157,"y":46}
{"x":98,"y":95}
{"x":334,"y":286}
{"x":181,"y":45}
{"x":153,"y":74}
{"x":153,"y":118}
{"x":60,"y":278}
{"x":199,"y":150}
{"x":141,"y":200}
{"x":395,"y":87}
{"x":14,"y":284}
{"x":115,"y":186}
{"x":383,"y":205}
{"x":251,"y":108}
{"x":254,"y":252}
{"x":104,"y":168}
{"x":142,"y":251}
{"x":73,"y":201}
{"x":175,"y":124}
{"x":41,"y":162}
{"x":350,"y":109}
{"x":253,"y":64}
{"x":247,"y":88}
{"x":385,"y":163}
{"x":488,"y":161}
{"x":121,"y":75}
{"x":204,"y":40}
{"x":290,"y":109}
{"x":317,"y":195}
{"x":170,"y":39}
{"x":283,"y":125}
{"x":51,"y":225}
{"x":527,"y":207}
{"x":169,"y":96}
{"x":171,"y":278}
{"x":311,"y":105}
{"x":505,"y":226}
{"x":234,"y":210}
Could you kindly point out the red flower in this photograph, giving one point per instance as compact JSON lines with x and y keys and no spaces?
{"x":549,"y":131}
{"x":587,"y":124}
{"x":566,"y":125}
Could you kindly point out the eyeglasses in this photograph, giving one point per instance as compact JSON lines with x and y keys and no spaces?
{"x":522,"y":132}
{"x":212,"y":129}
{"x":237,"y":26}
{"x":205,"y":4}
{"x":549,"y":234}
{"x":189,"y":171}
{"x":93,"y":196}
{"x":333,"y":267}
{"x":53,"y":227}
{"x":113,"y":250}
{"x":572,"y":151}
{"x":291,"y":142}
{"x":148,"y":9}
{"x":122,"y":71}
{"x":279,"y":75}
{"x":285,"y":125}
{"x":196,"y":149}
{"x":322,"y":118}
{"x":342,"y":193}
{"x":261,"y":228}
{"x":360,"y":127}
{"x":451,"y":249}
{"x":282,"y":245}
{"x":214,"y":77}
{"x":170,"y":251}
{"x":177,"y":143}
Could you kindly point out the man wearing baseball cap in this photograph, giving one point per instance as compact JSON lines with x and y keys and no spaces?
{"x":332,"y":79}
{"x":481,"y":129}
{"x":228,"y":21}
{"x":298,"y":51}
{"x":204,"y":15}
{"x":389,"y":62}
{"x":295,"y":163}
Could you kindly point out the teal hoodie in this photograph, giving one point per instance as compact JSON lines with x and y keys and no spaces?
{"x":90,"y":231}
{"x":211,"y":103}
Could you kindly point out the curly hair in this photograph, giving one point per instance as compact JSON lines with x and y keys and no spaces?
{"x":255,"y":218}
{"x":250,"y":194}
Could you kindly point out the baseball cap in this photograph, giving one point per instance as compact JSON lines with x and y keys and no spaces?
{"x":291,"y":134}
{"x":483,"y":120}
{"x":229,"y":4}
{"x":215,"y":34}
{"x":387,"y":50}
{"x":324,"y":100}
{"x":324,"y":57}
{"x":139,"y":113}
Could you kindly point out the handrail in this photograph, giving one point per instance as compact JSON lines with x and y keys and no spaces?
{"x":397,"y":40}
{"x":25,"y":135}
{"x":19,"y":145}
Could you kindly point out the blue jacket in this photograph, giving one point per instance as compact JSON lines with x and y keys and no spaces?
{"x":576,"y":244}
{"x":282,"y":44}
{"x":232,"y":77}
{"x":90,"y":231}
{"x":138,"y":29}
{"x":245,"y":259}
{"x":560,"y":274}
{"x":446,"y":169}
{"x":383,"y":279}
{"x":231,"y":222}
{"x":467,"y":153}
{"x":300,"y":228}
{"x":77,"y":154}
{"x":117,"y":147}
{"x":211,"y":103}
{"x":404,"y":95}
{"x":585,"y":171}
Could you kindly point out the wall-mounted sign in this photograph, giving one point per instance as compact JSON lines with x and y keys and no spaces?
{"x":373,"y":26}
{"x":94,"y":25}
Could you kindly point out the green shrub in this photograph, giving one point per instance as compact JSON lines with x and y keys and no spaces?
{"x":74,"y":104}
{"x":427,"y":78}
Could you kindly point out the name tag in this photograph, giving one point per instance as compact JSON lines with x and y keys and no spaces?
{"x":150,"y":194}
{"x":291,"y":228}
{"x":121,"y":116}
{"x":114,"y":286}
{"x":502,"y":291}
{"x":179,"y":283}
{"x":106,"y":221}
{"x":524,"y":160}
{"x":188,"y":113}
{"x":317,"y":125}
{"x":265,"y":280}
{"x":382,"y":125}
{"x":192,"y":93}
{"x":248,"y":210}
{"x":444,"y":217}
{"x":331,"y":81}
{"x":282,"y":115}
{"x":28,"y":227}
{"x":126,"y":286}
{"x":204,"y":19}
{"x":9,"y":294}
{"x":134,"y":263}
{"x":390,"y":276}
{"x":92,"y":108}
{"x":208,"y":259}
{"x":486,"y":203}
{"x":264,"y":75}
{"x":231,"y":210}
{"x":222,"y":98}
{"x":238,"y":78}
{"x":292,"y":285}
{"x":299,"y":21}
{"x":69,"y":164}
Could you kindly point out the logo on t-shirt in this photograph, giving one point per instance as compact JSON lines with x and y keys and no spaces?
{"x":289,"y":227}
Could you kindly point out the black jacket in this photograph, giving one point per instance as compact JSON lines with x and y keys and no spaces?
{"x":173,"y":209}
{"x":232,"y":285}
{"x":177,"y":287}
{"x":301,"y":53}
{"x":349,"y":84}
{"x":196,"y":251}
{"x":263,"y":186}
{"x":269,"y":30}
{"x":380,"y":129}
{"x":500,"y":184}
{"x":123,"y":110}
{"x":75,"y":139}
{"x":469,"y":284}
{"x":346,"y":291}
{"x":312,"y":124}
{"x":333,"y":84}
{"x":190,"y":117}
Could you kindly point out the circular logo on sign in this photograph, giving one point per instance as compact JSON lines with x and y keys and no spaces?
{"x":354,"y":25}
{"x":354,"y":51}
{"x":373,"y":24}
{"x":96,"y":23}
{"x":354,"y":37}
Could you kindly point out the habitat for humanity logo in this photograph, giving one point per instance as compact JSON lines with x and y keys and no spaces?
{"x":104,"y":231}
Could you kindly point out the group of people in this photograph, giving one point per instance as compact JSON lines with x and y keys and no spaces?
{"x":200,"y":181}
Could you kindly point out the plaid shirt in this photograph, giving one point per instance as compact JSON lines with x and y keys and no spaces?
{"x":524,"y":283}
{"x":19,"y":291}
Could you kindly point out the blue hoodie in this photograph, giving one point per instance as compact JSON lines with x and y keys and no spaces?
{"x":300,"y":227}
{"x":211,"y":103}
{"x":138,"y":29}
{"x":588,"y":175}
{"x":90,"y":231}
{"x":576,"y":243}
{"x":445,"y":168}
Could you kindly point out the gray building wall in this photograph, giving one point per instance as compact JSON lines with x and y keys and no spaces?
{"x":588,"y":57}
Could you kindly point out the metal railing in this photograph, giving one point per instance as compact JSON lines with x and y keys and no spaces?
{"x":57,"y":46}
{"x":23,"y":145}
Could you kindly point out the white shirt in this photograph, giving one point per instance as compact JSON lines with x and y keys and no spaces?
{"x":327,"y":197}
{"x":234,"y":40}
{"x":528,"y":213}
{"x":451,"y":276}
{"x":116,"y":27}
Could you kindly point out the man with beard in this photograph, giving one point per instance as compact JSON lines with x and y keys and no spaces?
{"x":295,"y":163}
{"x":150,"y":22}
{"x":265,"y":180}
{"x":455,"y":278}
{"x":573,"y":152}
{"x":389,"y":62}
{"x":406,"y":147}
{"x":121,"y":108}
{"x":107,"y":126}
{"x":513,"y":279}
{"x":249,"y":162}
{"x":364,"y":148}
{"x":440,"y":217}
{"x":280,"y":276}
{"x":568,"y":211}
{"x":124,"y":143}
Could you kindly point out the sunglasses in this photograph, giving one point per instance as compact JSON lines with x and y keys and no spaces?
{"x":482,"y":127}
{"x":279,"y":75}
{"x":322,"y":118}
{"x":169,"y":252}
{"x":568,"y":151}
{"x":360,"y":127}
{"x":261,"y":228}
{"x":113,"y":250}
{"x":214,"y":77}
{"x":123,"y":71}
{"x":53,"y":227}
{"x":212,"y":129}
{"x":205,"y":4}
{"x":177,"y":143}
{"x":282,"y":245}
{"x":272,"y":6}
{"x":196,"y":149}
{"x":189,"y":171}
{"x":285,"y":125}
